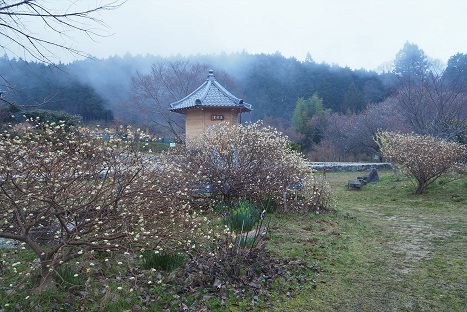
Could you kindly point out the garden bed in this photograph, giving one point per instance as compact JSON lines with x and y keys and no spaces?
{"x":384,"y":249}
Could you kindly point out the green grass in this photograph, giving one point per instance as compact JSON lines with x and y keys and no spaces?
{"x":242,"y":216}
{"x":391,"y":250}
{"x":67,"y":277}
{"x":384,"y":249}
{"x":162,"y":260}
{"x":154,"y":147}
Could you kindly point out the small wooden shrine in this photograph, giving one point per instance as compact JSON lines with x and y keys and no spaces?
{"x":208,"y":105}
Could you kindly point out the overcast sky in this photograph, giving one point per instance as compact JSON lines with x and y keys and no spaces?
{"x":354,"y":33}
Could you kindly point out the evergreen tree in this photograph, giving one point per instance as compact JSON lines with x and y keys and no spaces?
{"x":309,"y":119}
{"x":354,"y":100}
{"x":411,"y":63}
{"x":456,"y":72}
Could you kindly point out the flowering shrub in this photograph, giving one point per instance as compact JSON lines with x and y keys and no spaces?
{"x":424,"y":157}
{"x":315,"y":196}
{"x":236,"y":161}
{"x":67,"y":192}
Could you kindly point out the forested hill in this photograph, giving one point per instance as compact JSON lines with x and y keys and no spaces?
{"x":272,"y":83}
{"x":94,"y":89}
{"x":101,"y":89}
{"x":29,"y":86}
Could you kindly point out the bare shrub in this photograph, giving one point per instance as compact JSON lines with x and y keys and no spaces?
{"x":234,"y":260}
{"x":65,"y":193}
{"x":241,"y":266}
{"x":424,"y":157}
{"x":351,"y":137}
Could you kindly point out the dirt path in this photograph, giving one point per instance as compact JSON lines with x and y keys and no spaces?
{"x":415,"y":240}
{"x":400,"y":252}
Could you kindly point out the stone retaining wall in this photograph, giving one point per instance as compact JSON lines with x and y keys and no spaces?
{"x":344,"y":166}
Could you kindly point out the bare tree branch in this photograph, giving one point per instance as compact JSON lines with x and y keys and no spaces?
{"x":15,"y":15}
{"x":16,"y":105}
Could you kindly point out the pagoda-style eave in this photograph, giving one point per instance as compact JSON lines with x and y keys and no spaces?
{"x":211,"y":94}
{"x":243,"y":109}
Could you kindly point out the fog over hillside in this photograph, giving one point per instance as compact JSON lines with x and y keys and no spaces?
{"x":310,"y":102}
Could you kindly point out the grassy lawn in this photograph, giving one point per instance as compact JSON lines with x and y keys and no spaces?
{"x":384,"y":249}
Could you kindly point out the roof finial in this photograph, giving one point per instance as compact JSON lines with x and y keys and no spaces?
{"x":211,"y":75}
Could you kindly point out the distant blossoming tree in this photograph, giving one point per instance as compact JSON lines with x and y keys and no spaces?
{"x":424,"y":157}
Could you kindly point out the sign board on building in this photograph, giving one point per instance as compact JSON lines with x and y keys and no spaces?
{"x":217,"y":117}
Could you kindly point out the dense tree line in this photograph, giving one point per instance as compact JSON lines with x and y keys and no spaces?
{"x":426,"y":100}
{"x":415,"y":95}
{"x":29,"y":86}
{"x":272,"y":83}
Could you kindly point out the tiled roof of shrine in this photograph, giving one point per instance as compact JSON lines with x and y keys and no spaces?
{"x":210,"y":94}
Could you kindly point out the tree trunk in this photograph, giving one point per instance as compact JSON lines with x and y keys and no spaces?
{"x":420,"y":187}
{"x":46,"y":278}
{"x":284,"y":198}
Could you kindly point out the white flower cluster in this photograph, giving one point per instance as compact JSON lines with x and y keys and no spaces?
{"x":82,"y":191}
{"x":422,"y":156}
{"x":236,"y":161}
